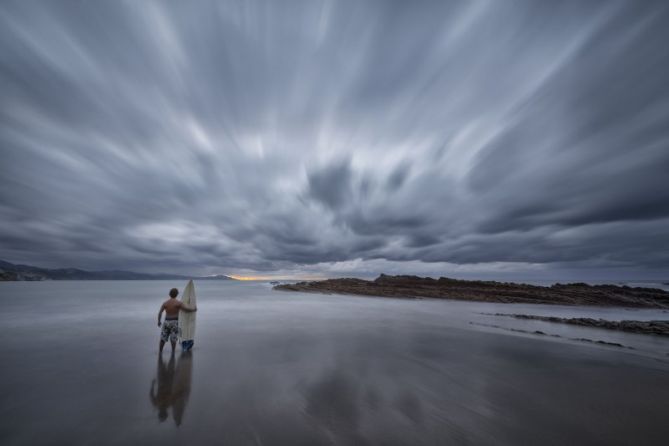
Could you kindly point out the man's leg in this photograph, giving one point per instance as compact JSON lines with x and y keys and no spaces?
{"x":164,"y":333}
{"x":174,"y":335}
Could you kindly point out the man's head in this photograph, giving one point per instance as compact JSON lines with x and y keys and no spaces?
{"x":174,"y":293}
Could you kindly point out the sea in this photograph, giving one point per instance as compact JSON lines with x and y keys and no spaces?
{"x":80,"y":366}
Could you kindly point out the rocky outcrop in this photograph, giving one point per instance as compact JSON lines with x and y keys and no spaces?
{"x":660,"y":328}
{"x":488,"y":291}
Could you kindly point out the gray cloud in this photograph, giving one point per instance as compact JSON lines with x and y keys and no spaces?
{"x":331,"y":185}
{"x":336,"y":137}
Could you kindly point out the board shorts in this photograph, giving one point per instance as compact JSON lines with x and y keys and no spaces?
{"x":170,"y":330}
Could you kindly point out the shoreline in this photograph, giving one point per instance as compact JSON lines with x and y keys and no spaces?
{"x":414,"y":287}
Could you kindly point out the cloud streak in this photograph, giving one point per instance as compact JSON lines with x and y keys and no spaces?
{"x":311,"y":137}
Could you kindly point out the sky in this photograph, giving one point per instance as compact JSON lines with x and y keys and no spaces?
{"x":483,"y":139}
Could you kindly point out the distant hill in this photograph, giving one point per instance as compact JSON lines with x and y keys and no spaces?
{"x":11,"y":272}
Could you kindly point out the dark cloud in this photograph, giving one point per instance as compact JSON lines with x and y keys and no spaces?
{"x":336,"y":137}
{"x":331,"y":185}
{"x":398,"y":177}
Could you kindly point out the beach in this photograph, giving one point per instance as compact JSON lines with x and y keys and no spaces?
{"x":273,"y":367}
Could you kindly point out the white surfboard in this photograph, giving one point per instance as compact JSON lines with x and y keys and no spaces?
{"x":187,"y":318}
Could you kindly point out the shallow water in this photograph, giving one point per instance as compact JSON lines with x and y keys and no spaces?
{"x":81,"y":367}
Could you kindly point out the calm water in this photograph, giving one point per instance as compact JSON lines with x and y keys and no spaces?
{"x":80,"y":366}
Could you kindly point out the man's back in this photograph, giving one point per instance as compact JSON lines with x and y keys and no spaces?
{"x":172,"y":307}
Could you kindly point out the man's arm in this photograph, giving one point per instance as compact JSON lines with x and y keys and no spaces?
{"x":187,"y":307}
{"x":160,"y":313}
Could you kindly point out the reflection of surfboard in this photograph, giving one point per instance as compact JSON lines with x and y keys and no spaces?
{"x":181,"y":386}
{"x":187,"y":318}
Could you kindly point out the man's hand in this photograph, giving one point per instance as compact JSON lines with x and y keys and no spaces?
{"x":159,"y":323}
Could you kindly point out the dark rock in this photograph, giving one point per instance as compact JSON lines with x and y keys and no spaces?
{"x":660,"y":328}
{"x":488,"y":291}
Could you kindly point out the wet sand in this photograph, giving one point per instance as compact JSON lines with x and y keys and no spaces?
{"x":290,"y":368}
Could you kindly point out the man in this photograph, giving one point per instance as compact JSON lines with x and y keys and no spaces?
{"x":170,"y":328}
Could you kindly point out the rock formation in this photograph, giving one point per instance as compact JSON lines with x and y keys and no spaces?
{"x":489,"y":291}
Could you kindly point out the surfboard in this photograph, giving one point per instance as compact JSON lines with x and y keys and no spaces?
{"x":187,"y":318}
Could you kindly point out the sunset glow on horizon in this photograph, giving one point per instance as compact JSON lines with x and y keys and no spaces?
{"x":250,"y":278}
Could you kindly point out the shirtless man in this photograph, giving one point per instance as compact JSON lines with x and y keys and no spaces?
{"x":170,"y":328}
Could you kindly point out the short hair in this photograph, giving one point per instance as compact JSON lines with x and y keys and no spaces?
{"x":174,"y":293}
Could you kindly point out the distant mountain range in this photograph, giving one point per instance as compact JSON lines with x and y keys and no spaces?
{"x":11,"y":272}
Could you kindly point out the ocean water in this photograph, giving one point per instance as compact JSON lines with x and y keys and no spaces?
{"x":80,"y":366}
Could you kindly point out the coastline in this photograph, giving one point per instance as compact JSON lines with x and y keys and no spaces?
{"x":414,"y":287}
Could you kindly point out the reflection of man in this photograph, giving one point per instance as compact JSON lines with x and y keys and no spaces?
{"x":170,"y":328}
{"x":162,"y":396}
{"x":173,"y":387}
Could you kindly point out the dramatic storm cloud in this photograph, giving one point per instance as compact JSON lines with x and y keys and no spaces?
{"x":335,"y":138}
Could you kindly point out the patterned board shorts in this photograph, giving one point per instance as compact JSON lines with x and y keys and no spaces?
{"x":170,"y":331}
